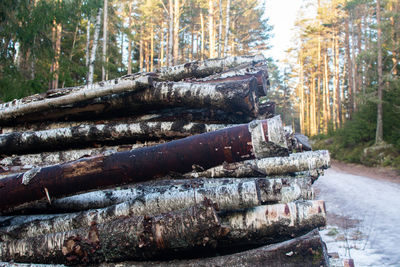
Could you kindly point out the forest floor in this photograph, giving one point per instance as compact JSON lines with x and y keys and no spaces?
{"x":363,"y":215}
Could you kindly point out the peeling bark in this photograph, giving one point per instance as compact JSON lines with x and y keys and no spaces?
{"x":259,"y":138}
{"x":27,"y":106}
{"x":297,"y":162}
{"x":270,"y":190}
{"x":136,"y":237}
{"x":306,"y":250}
{"x":225,"y":197}
{"x":84,"y":134}
{"x":272,"y":223}
{"x":259,"y":71}
{"x":236,"y":195}
{"x":199,"y":69}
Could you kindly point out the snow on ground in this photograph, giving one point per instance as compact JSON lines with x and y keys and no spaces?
{"x":363,"y":218}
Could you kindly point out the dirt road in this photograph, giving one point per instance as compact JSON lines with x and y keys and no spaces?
{"x":363,"y":216}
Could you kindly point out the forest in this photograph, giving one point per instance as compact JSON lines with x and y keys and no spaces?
{"x":339,"y":85}
{"x":49,"y":44}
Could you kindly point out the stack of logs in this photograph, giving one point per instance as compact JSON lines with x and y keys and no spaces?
{"x":184,"y":166}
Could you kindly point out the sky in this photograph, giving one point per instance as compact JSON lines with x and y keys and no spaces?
{"x":282,"y":15}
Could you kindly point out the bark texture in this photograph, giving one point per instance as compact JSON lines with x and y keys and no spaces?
{"x":31,"y":105}
{"x":236,"y":195}
{"x":306,"y":250}
{"x":259,"y":138}
{"x":280,"y":189}
{"x":272,"y":223}
{"x":80,"y":136}
{"x":199,"y":69}
{"x":297,"y":162}
{"x":138,"y":237}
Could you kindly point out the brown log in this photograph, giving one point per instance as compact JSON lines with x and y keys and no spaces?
{"x":297,"y":162}
{"x":257,"y":139}
{"x":226,"y":197}
{"x":135,"y":237}
{"x":271,"y":223}
{"x":28,"y":106}
{"x":86,"y":134}
{"x":306,"y":250}
{"x":199,"y":69}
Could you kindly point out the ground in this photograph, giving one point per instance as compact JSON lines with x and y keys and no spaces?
{"x":363,"y":213}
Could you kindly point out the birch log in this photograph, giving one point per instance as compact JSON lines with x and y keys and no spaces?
{"x":282,"y":190}
{"x":258,"y":71}
{"x":25,"y":107}
{"x":254,"y":140}
{"x":306,"y":250}
{"x":199,"y":69}
{"x":83,"y":135}
{"x":136,"y":237}
{"x":297,"y":162}
{"x":22,"y":163}
{"x":229,"y":197}
{"x":272,"y":223}
{"x":232,"y":97}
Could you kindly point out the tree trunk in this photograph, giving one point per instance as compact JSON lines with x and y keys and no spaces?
{"x":228,"y":7}
{"x":56,"y":67}
{"x":259,"y":225}
{"x":379,"y":123}
{"x":141,"y":56}
{"x":84,"y":134}
{"x":202,"y":35}
{"x":87,"y":51}
{"x":220,"y":29}
{"x":177,"y":15}
{"x":296,"y":162}
{"x":349,"y":68}
{"x":130,"y":38}
{"x":171,"y":33}
{"x":269,"y":190}
{"x":161,"y":61}
{"x":211,"y":28}
{"x":152,"y":48}
{"x":94,"y":47}
{"x":306,"y":250}
{"x":105,"y":22}
{"x":138,"y":237}
{"x":205,"y":150}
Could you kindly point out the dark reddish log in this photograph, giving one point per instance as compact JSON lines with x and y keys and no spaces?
{"x":135,"y":238}
{"x":247,"y":141}
{"x":307,"y":250}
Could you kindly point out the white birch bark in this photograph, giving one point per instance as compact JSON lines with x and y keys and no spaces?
{"x":207,"y":67}
{"x":25,"y":106}
{"x":233,"y":195}
{"x":260,"y":225}
{"x":94,"y":47}
{"x":87,"y":51}
{"x":20,"y":142}
{"x":297,"y":162}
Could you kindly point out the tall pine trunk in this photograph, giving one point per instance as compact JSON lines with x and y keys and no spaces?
{"x":379,"y":123}
{"x":176,"y":31}
{"x":228,"y":7}
{"x":130,"y":38}
{"x":211,"y":28}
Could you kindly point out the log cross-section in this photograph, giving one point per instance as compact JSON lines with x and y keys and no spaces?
{"x":201,"y":151}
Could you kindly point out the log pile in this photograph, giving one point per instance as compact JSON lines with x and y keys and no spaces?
{"x":166,"y":168}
